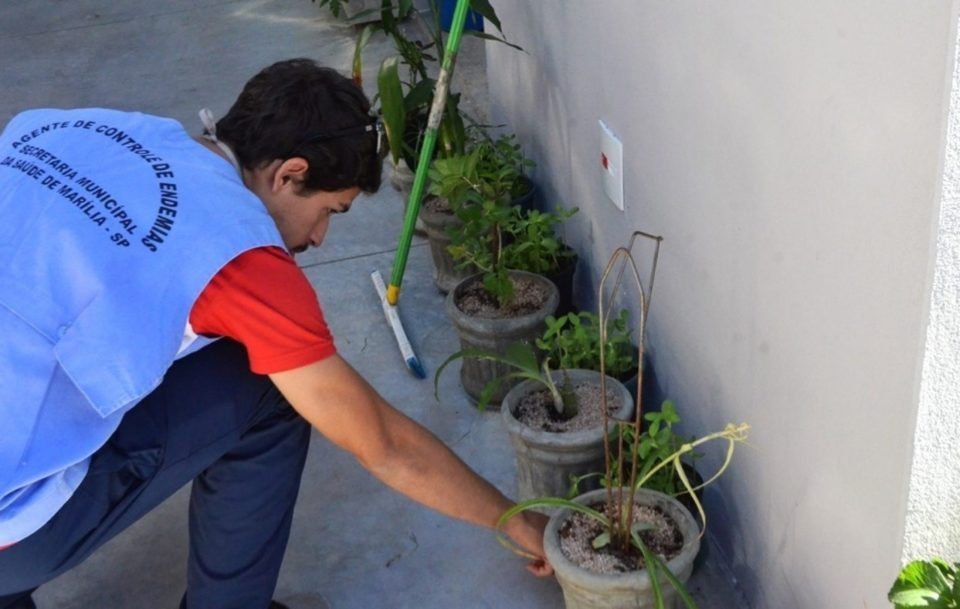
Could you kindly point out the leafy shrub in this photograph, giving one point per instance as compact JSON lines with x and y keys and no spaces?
{"x":929,"y":584}
{"x":497,"y":239}
{"x":573,"y":341}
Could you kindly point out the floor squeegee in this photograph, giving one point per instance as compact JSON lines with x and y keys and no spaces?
{"x":390,"y":295}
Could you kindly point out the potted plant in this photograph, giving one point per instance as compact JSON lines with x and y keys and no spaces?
{"x":625,"y":546}
{"x":656,"y":441}
{"x":573,"y":341}
{"x":491,"y":172}
{"x":494,"y":238}
{"x":491,"y":311}
{"x":539,"y":250}
{"x":501,"y":304}
{"x":553,"y":417}
{"x":405,"y":84}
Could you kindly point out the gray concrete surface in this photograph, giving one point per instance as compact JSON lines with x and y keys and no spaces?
{"x":355,"y":544}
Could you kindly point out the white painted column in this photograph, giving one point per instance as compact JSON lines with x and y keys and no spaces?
{"x":933,"y":504}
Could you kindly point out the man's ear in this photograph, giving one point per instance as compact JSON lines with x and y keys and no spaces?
{"x":291,"y":172}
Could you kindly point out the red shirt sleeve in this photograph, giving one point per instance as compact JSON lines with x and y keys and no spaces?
{"x":263,"y":300}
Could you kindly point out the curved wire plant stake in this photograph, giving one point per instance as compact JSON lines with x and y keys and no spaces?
{"x":622,"y":259}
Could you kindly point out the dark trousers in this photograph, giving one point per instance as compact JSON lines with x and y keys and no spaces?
{"x":211,"y":421}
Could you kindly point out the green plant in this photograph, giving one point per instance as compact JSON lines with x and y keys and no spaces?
{"x":573,"y":341}
{"x":497,"y":239}
{"x":405,"y":83}
{"x":930,"y":584}
{"x":491,"y":170}
{"x":522,"y":357}
{"x":651,"y":447}
{"x":620,"y":534}
{"x":478,"y":241}
{"x":532,"y":243}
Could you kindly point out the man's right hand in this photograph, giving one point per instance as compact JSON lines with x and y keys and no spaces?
{"x":526,"y":530}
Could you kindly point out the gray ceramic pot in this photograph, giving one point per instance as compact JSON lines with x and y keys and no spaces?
{"x":546,"y":460}
{"x":495,"y":335}
{"x":446,"y":275}
{"x":401,"y":176}
{"x":586,"y":590}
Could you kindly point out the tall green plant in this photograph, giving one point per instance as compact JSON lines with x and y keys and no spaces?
{"x":406,"y":81}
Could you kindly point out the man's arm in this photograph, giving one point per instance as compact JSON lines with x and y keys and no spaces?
{"x":402,"y":454}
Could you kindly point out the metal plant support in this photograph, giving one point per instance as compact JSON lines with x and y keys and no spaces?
{"x":622,"y":259}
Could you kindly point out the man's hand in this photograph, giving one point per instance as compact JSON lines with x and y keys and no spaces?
{"x":526,"y":530}
{"x":402,"y":454}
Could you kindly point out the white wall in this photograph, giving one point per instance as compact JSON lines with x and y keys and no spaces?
{"x":790,"y":154}
{"x":933,"y":521}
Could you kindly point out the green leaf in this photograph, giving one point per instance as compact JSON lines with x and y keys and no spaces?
{"x":601,"y":541}
{"x":476,"y":353}
{"x":638,"y":527}
{"x":927,"y":584}
{"x":362,"y":41}
{"x":655,"y":567}
{"x":486,"y":393}
{"x":386,"y":15}
{"x":551,"y":502}
{"x":421,"y":94}
{"x":486,"y":36}
{"x":486,"y":11}
{"x":652,"y":571}
{"x":391,"y":104}
{"x":917,"y":597}
{"x":669,"y":412}
{"x":522,"y":356}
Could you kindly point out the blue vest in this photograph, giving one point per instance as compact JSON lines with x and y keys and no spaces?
{"x":111,"y":224}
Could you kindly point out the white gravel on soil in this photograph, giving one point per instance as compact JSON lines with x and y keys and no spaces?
{"x":536,"y":409}
{"x":579,"y":531}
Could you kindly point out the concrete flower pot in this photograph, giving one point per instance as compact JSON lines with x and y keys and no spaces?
{"x":401,"y":178}
{"x":546,"y":460}
{"x":495,"y":335}
{"x":583,"y":589}
{"x":446,"y":275}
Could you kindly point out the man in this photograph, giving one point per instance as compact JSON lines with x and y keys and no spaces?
{"x":125,"y":247}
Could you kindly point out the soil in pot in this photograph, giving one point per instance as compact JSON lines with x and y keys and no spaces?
{"x":579,"y":530}
{"x":493,"y":329}
{"x":536,"y":409}
{"x":436,"y":205}
{"x":528,"y":296}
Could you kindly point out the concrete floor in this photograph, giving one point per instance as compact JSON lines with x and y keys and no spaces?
{"x":355,"y":544}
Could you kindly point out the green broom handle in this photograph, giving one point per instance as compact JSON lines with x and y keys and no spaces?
{"x":426,"y":151}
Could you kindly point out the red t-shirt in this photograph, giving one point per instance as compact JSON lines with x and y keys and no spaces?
{"x":264,"y":301}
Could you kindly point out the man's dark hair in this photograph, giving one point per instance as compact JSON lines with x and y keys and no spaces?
{"x":290,"y":102}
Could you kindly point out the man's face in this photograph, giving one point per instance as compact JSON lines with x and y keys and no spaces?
{"x":302,"y":219}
